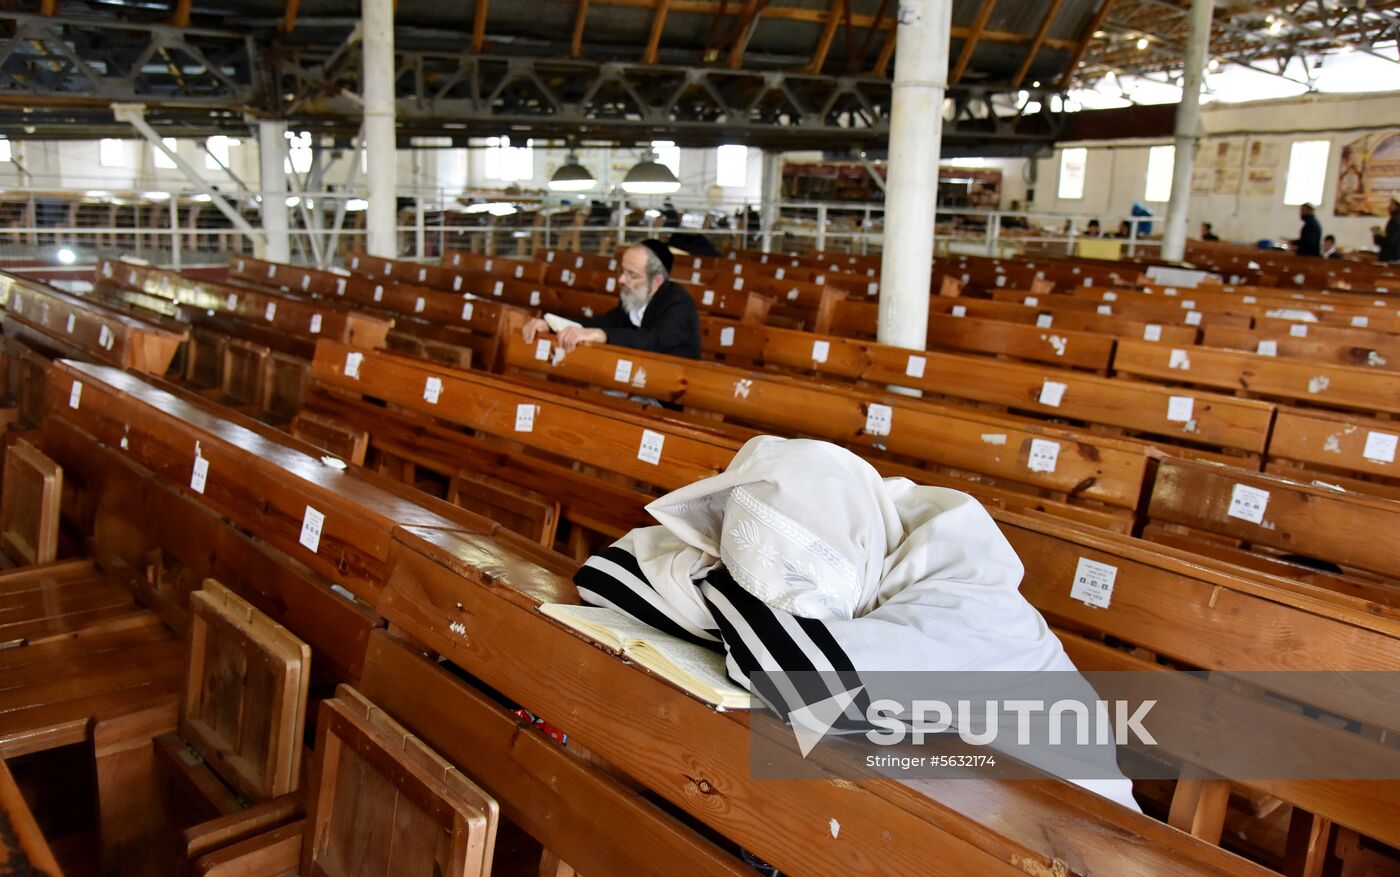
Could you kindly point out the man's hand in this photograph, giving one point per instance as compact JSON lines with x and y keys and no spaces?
{"x":532,"y":328}
{"x":576,"y":335}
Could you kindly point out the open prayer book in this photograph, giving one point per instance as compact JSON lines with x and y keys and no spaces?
{"x":694,"y":668}
{"x":558,"y":324}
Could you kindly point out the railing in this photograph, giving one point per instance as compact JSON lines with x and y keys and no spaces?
{"x":56,"y":228}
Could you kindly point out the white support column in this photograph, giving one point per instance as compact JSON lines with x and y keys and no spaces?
{"x":772,"y":192}
{"x":911,"y":177}
{"x":1188,"y":129}
{"x":381,"y":218}
{"x":272,"y":164}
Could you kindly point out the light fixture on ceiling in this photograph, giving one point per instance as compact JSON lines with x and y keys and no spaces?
{"x":650,"y":177}
{"x":572,"y":176}
{"x":1142,"y":43}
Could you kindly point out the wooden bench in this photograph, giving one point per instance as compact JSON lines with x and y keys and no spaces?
{"x":1329,"y":443}
{"x":29,"y":506}
{"x":1321,"y":384}
{"x":1198,"y":418}
{"x":1314,"y":345}
{"x":1166,"y":312}
{"x":85,"y":328}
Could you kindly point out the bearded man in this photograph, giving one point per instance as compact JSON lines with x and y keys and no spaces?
{"x":653,"y":313}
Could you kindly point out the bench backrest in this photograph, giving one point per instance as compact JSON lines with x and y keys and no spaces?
{"x":29,"y":507}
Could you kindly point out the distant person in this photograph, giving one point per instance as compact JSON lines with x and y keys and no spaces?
{"x":1309,"y":242}
{"x":1092,"y":230}
{"x":653,"y":312}
{"x":1329,"y":248}
{"x":1389,"y":239}
{"x":1125,"y":230}
{"x":1014,"y":221}
{"x":670,"y":216}
{"x":1208,"y":233}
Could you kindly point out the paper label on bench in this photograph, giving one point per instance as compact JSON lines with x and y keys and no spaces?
{"x":1043,"y":455}
{"x":270,"y":311}
{"x":419,"y":305}
{"x":1180,"y":409}
{"x":1105,"y":310}
{"x":1248,"y":503}
{"x":534,"y":297}
{"x":388,"y":268}
{"x":352,"y":364}
{"x":340,"y":286}
{"x":1030,"y":301}
{"x":779,"y":273}
{"x":1052,"y":393}
{"x":1298,"y":330}
{"x":872,"y":288}
{"x":72,"y":322}
{"x":200,"y":475}
{"x":315,"y":324}
{"x":695,"y":277}
{"x":500,"y":285}
{"x":578,"y":261}
{"x":878,"y":419}
{"x":311,"y":524}
{"x":75,"y":395}
{"x":525,"y":417}
{"x":107,"y":268}
{"x":355,"y":262}
{"x":542,"y":349}
{"x":726,"y":336}
{"x":457,"y":258}
{"x":1044,"y":321}
{"x":738,"y":269}
{"x":105,"y":337}
{"x":1151,"y":332}
{"x":1360,"y":322}
{"x":650,"y":449}
{"x":738,"y":283}
{"x":422,"y":274}
{"x":1248,"y":299}
{"x":1267,"y":347}
{"x":1188,"y":304}
{"x":622,"y":372}
{"x":1179,"y":359}
{"x":1193,"y":318}
{"x":819,"y":279}
{"x":959,"y":310}
{"x":915,"y":367}
{"x":611,"y":284}
{"x":519,"y":270}
{"x":432,"y":389}
{"x":1380,"y":447}
{"x":131,"y":278}
{"x":1093,"y":582}
{"x":231,"y":302}
{"x":820,"y":349}
{"x":1110,"y":296}
{"x":707,"y":297}
{"x":457,"y":283}
{"x":378,"y":292}
{"x":1001,"y":280}
{"x":792,"y":294}
{"x":466,"y":310}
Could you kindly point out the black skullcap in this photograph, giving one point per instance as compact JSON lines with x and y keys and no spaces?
{"x":661,"y":252}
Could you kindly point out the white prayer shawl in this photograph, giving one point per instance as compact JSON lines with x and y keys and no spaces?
{"x":801,"y":557}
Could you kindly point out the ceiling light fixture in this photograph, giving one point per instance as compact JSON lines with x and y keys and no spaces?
{"x":650,"y":177}
{"x":572,"y":176}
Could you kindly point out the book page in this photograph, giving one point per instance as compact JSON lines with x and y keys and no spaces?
{"x":559,"y":324}
{"x":699,"y":670}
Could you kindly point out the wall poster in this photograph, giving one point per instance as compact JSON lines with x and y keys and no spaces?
{"x":1368,"y":174}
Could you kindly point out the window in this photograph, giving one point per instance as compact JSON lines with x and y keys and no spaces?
{"x":298,"y":152}
{"x":1073,"y":163}
{"x":1307,"y":172}
{"x":217,"y":156}
{"x":111,"y":153}
{"x":509,"y":163}
{"x":5,"y":153}
{"x":732,"y":166}
{"x":163,"y":160}
{"x":1159,"y":173}
{"x":669,"y":154}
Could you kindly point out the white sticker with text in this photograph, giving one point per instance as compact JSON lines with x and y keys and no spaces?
{"x":1043,"y":455}
{"x":1248,"y":503}
{"x":1052,"y":393}
{"x":650,"y":449}
{"x":1180,"y":409}
{"x":878,"y":419}
{"x":311,"y":524}
{"x":1093,"y":582}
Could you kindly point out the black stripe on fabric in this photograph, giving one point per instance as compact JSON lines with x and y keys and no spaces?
{"x":770,"y":632}
{"x":821,"y":637}
{"x":733,"y":642}
{"x":627,"y":600}
{"x":624,"y":558}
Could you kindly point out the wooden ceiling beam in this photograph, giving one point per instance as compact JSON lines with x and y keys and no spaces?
{"x":744,"y":32}
{"x":1100,"y":15}
{"x":289,"y":16}
{"x":882,"y":63}
{"x":48,"y":7}
{"x":658,"y":22}
{"x":479,"y":26}
{"x":576,"y":46}
{"x":855,"y":61}
{"x":181,"y":16}
{"x":833,"y":17}
{"x":970,"y":41}
{"x":1036,"y":43}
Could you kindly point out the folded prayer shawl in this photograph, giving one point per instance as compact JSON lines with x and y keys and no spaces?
{"x":801,"y":557}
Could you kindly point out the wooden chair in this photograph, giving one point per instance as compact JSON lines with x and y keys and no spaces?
{"x":29,"y":506}
{"x":384,"y":802}
{"x":525,"y":511}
